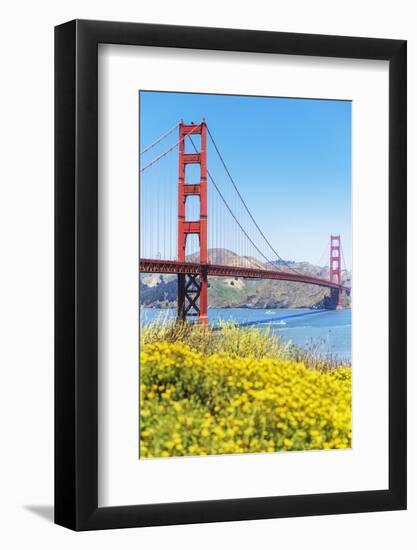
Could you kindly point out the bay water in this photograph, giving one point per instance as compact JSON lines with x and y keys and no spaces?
{"x":327,"y":332}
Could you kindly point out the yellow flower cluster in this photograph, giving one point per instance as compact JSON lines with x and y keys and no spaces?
{"x":197,"y":404}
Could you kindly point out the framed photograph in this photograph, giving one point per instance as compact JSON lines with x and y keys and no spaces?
{"x":230,"y":253}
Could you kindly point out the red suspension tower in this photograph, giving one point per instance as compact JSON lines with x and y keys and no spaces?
{"x":192,"y":288}
{"x":336,"y":270}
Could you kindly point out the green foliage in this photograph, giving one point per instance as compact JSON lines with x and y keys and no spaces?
{"x":237,"y":390}
{"x":234,"y":340}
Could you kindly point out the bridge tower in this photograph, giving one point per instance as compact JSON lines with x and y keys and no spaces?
{"x":336,"y":270}
{"x":192,"y":288}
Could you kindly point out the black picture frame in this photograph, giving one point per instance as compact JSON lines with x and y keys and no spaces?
{"x":76,"y":272}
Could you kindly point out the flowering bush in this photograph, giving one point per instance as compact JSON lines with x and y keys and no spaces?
{"x":192,"y":403}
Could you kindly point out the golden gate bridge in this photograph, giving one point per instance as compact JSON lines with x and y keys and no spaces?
{"x":195,"y":229}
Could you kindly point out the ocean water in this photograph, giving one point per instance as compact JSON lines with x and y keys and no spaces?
{"x":328,"y":332}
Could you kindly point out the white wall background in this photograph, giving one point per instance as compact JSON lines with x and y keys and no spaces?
{"x":26,"y":272}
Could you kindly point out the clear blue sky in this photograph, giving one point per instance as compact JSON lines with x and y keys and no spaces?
{"x":291,"y":159}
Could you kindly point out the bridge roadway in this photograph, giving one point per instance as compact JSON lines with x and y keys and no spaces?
{"x":174,"y":267}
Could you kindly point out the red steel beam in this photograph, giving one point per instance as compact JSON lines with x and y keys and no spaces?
{"x":191,"y":158}
{"x":192,"y":293}
{"x":173,"y":267}
{"x":336,"y":265}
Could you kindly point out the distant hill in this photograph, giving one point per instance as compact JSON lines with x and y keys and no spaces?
{"x":161,"y":290}
{"x":227,"y":257}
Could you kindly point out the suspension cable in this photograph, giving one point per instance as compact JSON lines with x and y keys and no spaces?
{"x":245,"y":205}
{"x":232,"y":213}
{"x":160,"y":138}
{"x":343,"y":257}
{"x":165,"y":152}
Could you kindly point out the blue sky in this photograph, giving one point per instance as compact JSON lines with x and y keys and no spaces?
{"x":291,"y":159}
